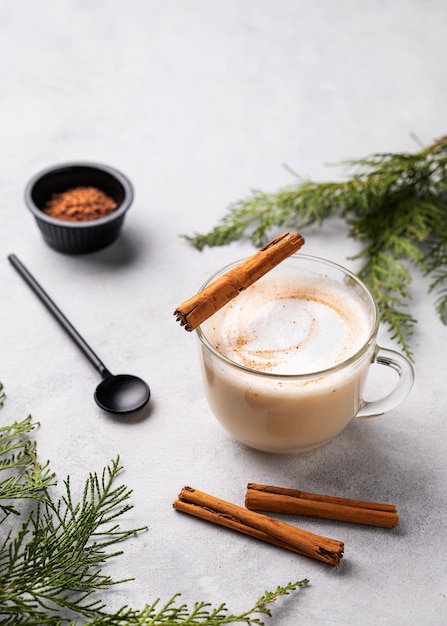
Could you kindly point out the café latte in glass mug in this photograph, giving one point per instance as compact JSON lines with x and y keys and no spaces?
{"x":285,"y":362}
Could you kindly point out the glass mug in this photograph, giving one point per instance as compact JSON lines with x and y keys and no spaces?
{"x":304,"y":408}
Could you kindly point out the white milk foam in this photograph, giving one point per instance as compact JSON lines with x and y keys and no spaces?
{"x":290,"y":326}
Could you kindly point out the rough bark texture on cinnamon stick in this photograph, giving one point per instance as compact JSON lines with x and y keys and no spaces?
{"x":201,"y":306}
{"x":296,"y":502}
{"x":210,"y":508}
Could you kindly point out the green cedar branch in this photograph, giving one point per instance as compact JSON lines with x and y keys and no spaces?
{"x":51,"y":559}
{"x":21,"y":476}
{"x":395,"y":204}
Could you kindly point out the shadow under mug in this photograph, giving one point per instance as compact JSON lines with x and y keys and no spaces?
{"x":286,"y":413}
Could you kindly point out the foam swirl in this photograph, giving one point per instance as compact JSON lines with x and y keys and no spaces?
{"x":289,"y":327}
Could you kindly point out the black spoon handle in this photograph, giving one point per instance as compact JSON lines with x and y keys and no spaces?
{"x":60,"y":317}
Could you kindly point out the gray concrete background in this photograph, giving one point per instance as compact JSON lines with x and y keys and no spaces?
{"x":199,"y":103}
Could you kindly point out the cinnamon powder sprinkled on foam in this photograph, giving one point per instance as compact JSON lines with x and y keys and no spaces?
{"x":243,"y":341}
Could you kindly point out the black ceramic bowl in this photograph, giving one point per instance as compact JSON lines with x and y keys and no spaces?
{"x":86,"y":236}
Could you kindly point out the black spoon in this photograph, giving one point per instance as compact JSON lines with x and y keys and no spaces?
{"x":122,"y":393}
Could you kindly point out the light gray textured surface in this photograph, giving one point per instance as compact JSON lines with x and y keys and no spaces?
{"x":198,"y":103}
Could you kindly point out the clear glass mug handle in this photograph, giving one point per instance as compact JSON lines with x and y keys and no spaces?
{"x":400,"y":364}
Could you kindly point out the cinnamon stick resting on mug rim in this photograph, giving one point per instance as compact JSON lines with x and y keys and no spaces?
{"x":201,"y":306}
{"x":296,"y":502}
{"x":210,"y":508}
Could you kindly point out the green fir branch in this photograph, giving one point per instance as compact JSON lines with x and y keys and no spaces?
{"x":436,"y":267}
{"x":21,"y":476}
{"x":395,"y":205}
{"x":201,"y":613}
{"x":51,"y":560}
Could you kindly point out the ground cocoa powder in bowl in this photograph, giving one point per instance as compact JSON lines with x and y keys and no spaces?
{"x":80,"y":204}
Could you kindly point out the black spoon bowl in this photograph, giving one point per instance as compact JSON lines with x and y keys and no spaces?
{"x":121,"y":393}
{"x":117,"y":393}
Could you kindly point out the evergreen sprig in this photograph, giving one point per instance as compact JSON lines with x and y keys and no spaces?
{"x":394,"y":203}
{"x":51,"y":559}
{"x":21,"y":476}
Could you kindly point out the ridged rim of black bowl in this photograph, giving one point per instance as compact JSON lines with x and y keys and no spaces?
{"x":60,"y":169}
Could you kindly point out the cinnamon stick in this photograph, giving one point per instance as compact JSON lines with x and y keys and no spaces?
{"x":210,"y":508}
{"x":201,"y":306}
{"x":296,"y":502}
